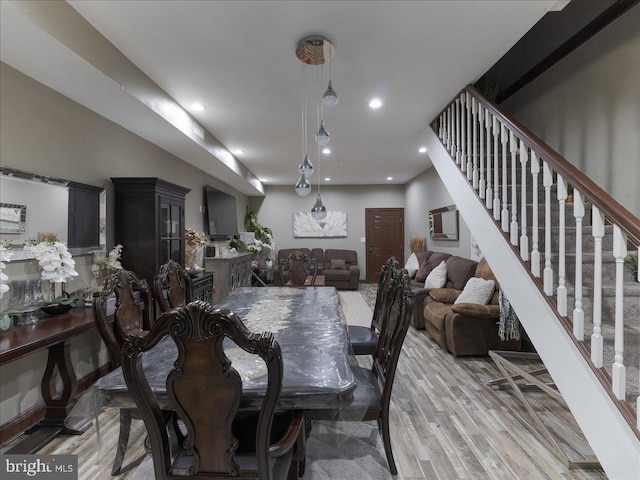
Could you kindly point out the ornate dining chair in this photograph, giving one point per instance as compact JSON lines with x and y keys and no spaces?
{"x":372,"y":396}
{"x":205,"y":390}
{"x":172,"y":287}
{"x":123,"y":308}
{"x":299,"y":266}
{"x":364,"y":340}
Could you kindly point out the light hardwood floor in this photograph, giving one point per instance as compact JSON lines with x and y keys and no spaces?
{"x":446,"y":425}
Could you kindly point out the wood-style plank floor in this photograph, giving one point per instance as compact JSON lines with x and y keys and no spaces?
{"x":446,"y":425}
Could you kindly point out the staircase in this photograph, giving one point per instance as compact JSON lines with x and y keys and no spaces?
{"x":560,"y":264}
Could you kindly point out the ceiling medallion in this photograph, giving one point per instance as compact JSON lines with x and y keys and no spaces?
{"x":315,"y":50}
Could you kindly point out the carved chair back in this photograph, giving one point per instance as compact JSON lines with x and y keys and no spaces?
{"x":205,"y":390}
{"x":132,"y":310}
{"x":299,"y":266}
{"x":384,"y":283}
{"x":172,"y":287}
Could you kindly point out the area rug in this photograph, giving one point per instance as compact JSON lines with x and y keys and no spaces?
{"x":335,"y":451}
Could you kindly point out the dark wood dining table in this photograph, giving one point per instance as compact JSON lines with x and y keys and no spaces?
{"x":307,"y":322}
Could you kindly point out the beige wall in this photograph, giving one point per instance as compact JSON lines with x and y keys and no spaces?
{"x":587,"y":107}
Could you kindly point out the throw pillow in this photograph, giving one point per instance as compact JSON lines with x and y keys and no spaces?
{"x":438,"y":277}
{"x":423,"y":271}
{"x":338,"y":264}
{"x":412,"y":265}
{"x":477,"y":290}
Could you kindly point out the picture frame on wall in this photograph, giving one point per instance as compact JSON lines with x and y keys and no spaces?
{"x":334,"y":225}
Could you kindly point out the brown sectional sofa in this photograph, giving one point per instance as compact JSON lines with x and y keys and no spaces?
{"x":464,"y":328}
{"x":346,"y":278}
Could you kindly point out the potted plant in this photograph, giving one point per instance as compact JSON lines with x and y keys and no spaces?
{"x":264,"y":244}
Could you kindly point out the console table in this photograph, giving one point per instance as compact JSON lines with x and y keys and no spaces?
{"x":53,"y":333}
{"x":230,"y":272}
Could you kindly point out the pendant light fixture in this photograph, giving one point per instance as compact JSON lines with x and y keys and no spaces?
{"x":314,"y":50}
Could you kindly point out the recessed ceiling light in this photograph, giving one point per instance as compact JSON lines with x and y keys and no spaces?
{"x":326,"y":151}
{"x":238,"y":152}
{"x":423,"y":150}
{"x":389,"y":178}
{"x":327,"y":179}
{"x":375,"y":103}
{"x":198,"y":107}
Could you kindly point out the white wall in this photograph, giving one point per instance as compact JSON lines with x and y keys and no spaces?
{"x":275,"y":212}
{"x":587,"y":107}
{"x":427,"y":192}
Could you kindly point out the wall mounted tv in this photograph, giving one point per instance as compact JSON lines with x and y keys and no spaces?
{"x":220,"y":211}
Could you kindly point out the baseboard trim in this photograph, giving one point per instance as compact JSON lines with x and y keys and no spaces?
{"x":21,"y":422}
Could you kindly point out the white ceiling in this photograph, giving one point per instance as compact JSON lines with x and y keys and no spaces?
{"x":237,"y":58}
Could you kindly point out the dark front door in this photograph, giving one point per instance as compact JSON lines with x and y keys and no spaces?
{"x":385,"y":238}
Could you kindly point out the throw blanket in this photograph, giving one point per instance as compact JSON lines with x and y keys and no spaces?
{"x":508,"y":326}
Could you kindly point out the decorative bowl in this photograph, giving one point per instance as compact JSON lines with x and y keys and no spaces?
{"x":56,"y":308}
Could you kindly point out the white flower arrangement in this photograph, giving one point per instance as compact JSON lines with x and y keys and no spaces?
{"x":260,"y":247}
{"x":5,"y":256}
{"x":56,"y":262}
{"x":110,"y":264}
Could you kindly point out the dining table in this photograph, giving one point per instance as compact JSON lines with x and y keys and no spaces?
{"x":307,"y":322}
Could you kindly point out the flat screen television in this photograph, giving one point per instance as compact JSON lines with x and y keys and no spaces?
{"x":220,"y":211}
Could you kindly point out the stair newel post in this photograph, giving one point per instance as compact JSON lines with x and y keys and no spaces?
{"x":489,"y":190}
{"x":482,"y":187}
{"x":513,"y":145}
{"x":474,"y":145}
{"x":457,"y":119}
{"x":547,"y":182}
{"x":524,"y":237}
{"x":496,"y":170}
{"x":469,"y":170}
{"x":562,"y":272}
{"x":578,"y":313}
{"x":504,"y":214}
{"x":535,"y":247}
{"x":597,"y":342}
{"x":618,"y":371}
{"x":463,"y":133}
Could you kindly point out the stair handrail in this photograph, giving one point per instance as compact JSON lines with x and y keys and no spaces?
{"x":611,"y":208}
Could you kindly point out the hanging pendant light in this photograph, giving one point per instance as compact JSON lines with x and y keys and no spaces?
{"x":303,"y":187}
{"x":306,"y":167}
{"x":318,"y":211}
{"x":330,"y":97}
{"x":322,"y":136}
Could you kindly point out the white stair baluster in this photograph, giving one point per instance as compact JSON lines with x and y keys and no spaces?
{"x":578,"y":313}
{"x":489,"y":192}
{"x":463,"y":133}
{"x":547,"y":182}
{"x":562,"y":273}
{"x":597,"y":221}
{"x":513,"y":144}
{"x":457,"y":131}
{"x":474,"y":170}
{"x":496,"y":170}
{"x":535,"y":252}
{"x":618,"y":371}
{"x":524,"y":237}
{"x":446,"y":128}
{"x":504,"y":214}
{"x":449,"y":128}
{"x":482,"y":187}
{"x":469,"y":138}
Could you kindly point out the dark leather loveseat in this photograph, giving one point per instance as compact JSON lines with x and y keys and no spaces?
{"x":339,"y":267}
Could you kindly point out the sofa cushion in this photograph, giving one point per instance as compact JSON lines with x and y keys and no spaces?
{"x":477,"y":290}
{"x":475,"y":310}
{"x":336,"y":275}
{"x":423,"y":271}
{"x":350,"y":257}
{"x":412,"y":265}
{"x":438,"y":277}
{"x":337,"y":264}
{"x":459,"y":270}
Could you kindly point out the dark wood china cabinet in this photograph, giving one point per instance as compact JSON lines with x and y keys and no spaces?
{"x":149,"y":223}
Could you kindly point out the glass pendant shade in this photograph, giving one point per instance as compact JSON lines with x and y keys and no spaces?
{"x":322,"y":136}
{"x":318,"y":211}
{"x":330,"y":97}
{"x":306,"y":167}
{"x":303,"y":187}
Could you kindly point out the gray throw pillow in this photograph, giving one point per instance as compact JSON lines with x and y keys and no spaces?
{"x":338,"y":264}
